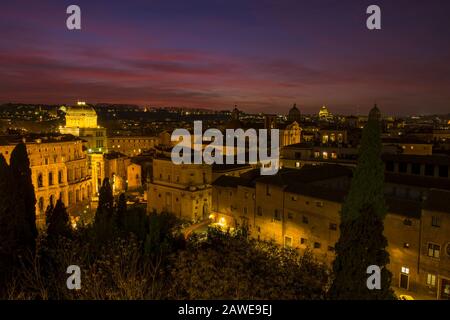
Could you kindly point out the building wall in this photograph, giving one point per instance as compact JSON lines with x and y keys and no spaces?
{"x":439,"y":266}
{"x":311,"y":223}
{"x":132,"y":146}
{"x":58,"y":170}
{"x":184,"y":190}
{"x":134,"y":176}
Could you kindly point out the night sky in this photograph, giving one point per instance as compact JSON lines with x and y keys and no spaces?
{"x":261,"y":55}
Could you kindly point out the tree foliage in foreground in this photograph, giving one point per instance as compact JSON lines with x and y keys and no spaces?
{"x":362,"y":243}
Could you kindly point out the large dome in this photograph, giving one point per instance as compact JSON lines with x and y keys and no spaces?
{"x":81,"y":116}
{"x":81,"y":110}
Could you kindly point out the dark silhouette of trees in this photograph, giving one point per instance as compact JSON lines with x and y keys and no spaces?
{"x":58,"y":223}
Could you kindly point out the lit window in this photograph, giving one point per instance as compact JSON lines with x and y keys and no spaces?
{"x":288,"y":242}
{"x":405,"y":270}
{"x":434,"y":250}
{"x":431,"y":280}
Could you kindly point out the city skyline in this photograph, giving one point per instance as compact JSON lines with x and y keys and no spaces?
{"x":262,"y":56}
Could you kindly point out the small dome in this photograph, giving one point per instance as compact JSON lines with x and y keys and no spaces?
{"x":294,"y":114}
{"x":294,"y":110}
{"x":375,"y":113}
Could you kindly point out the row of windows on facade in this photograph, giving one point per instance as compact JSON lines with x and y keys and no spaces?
{"x":429,"y":169}
{"x":288,"y":242}
{"x":134,"y":141}
{"x":176,"y":199}
{"x":430,"y":279}
{"x":75,"y":173}
{"x":177,"y":179}
{"x":435,"y":222}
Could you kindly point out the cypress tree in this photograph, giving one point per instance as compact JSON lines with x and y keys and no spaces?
{"x":58,"y":221}
{"x":24,"y":197}
{"x":8,"y":223}
{"x":103,"y":222}
{"x":362,"y":242}
{"x":121,"y":211}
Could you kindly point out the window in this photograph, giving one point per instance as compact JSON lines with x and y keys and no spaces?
{"x":40,"y":181}
{"x":50,"y":178}
{"x":431,"y":280}
{"x":435,"y":222}
{"x":330,"y":248}
{"x":294,"y":198}
{"x":316,"y":245}
{"x":406,"y":245}
{"x":290,"y":215}
{"x":402,"y":167}
{"x":333,"y":226}
{"x":405,"y":270}
{"x":60,"y":177}
{"x":288,"y":242}
{"x":277,"y":215}
{"x":303,"y":241}
{"x":434,"y":250}
{"x":245,"y":210}
{"x":415,"y":168}
{"x":429,"y":170}
{"x":41,"y":204}
{"x":407,"y":222}
{"x":319,"y":204}
{"x":268,"y":190}
{"x":443,"y":171}
{"x":259,"y":211}
{"x":305,"y":219}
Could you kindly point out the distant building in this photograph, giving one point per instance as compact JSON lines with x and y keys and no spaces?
{"x":81,"y":121}
{"x":324,"y":114}
{"x":132,"y":145}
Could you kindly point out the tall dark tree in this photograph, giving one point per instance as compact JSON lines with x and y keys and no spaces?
{"x":58,"y":223}
{"x":121,"y":211}
{"x":362,"y":242}
{"x":103,"y":223}
{"x":8,"y":222}
{"x":24,"y":197}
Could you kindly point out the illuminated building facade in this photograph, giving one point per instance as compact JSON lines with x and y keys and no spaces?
{"x":59,"y":169}
{"x":132,"y":145}
{"x":301,"y":209}
{"x":81,"y":121}
{"x":184,"y":190}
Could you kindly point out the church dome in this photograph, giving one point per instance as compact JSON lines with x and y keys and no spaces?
{"x":81,"y":110}
{"x":294,"y":114}
{"x":81,"y":116}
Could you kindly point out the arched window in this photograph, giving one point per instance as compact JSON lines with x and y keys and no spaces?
{"x":50,"y":178}
{"x":40,"y":181}
{"x":41,"y":204}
